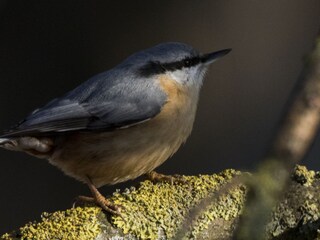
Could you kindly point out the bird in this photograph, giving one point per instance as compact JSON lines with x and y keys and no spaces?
{"x":119,"y":124}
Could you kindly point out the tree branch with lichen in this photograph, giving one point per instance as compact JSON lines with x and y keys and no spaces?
{"x":151,"y":211}
{"x":156,"y":211}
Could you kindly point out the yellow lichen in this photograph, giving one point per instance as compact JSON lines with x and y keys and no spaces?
{"x":159,"y":211}
{"x":149,"y":211}
{"x":163,"y":206}
{"x":227,"y":207}
{"x":76,"y":223}
{"x":303,"y":176}
{"x":297,"y":217}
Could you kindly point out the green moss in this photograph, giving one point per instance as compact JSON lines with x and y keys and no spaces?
{"x":162,"y":207}
{"x":76,"y":223}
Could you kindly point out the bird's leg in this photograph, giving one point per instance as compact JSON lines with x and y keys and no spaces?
{"x":100,"y":200}
{"x":158,"y":177}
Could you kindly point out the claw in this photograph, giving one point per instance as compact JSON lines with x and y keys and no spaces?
{"x":100,"y":200}
{"x":158,"y":177}
{"x":104,"y":203}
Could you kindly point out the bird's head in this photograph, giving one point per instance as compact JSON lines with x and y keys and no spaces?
{"x":183,"y":63}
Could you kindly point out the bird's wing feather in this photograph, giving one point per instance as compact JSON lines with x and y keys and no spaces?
{"x":105,"y":107}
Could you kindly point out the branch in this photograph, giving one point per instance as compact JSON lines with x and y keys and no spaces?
{"x":157,"y":211}
{"x":298,"y":130}
{"x":301,"y":124}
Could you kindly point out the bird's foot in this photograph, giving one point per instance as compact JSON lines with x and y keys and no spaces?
{"x":100,"y":200}
{"x":104,"y":203}
{"x":158,"y":177}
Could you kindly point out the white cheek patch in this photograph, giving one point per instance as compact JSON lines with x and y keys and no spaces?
{"x":188,"y":76}
{"x":180,"y":76}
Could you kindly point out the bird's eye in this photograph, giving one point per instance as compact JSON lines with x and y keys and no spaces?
{"x":187,"y":63}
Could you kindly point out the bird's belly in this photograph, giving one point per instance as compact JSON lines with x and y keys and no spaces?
{"x":112,"y":157}
{"x":123,"y":154}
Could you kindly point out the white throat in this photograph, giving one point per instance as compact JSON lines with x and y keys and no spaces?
{"x":192,"y":77}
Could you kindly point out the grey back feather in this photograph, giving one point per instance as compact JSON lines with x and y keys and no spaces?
{"x":114,"y":99}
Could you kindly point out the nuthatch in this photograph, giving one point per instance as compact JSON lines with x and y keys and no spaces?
{"x":121,"y":123}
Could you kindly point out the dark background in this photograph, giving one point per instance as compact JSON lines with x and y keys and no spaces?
{"x":49,"y":47}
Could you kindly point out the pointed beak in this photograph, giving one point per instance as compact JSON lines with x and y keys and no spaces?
{"x":212,"y":57}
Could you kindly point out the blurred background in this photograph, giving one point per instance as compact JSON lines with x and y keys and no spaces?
{"x":49,"y":47}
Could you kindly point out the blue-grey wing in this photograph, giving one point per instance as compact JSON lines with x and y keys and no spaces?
{"x":103,"y":103}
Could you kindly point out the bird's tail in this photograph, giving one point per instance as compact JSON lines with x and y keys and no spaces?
{"x":10,"y":144}
{"x":30,"y":145}
{"x":7,"y":143}
{"x":4,"y":141}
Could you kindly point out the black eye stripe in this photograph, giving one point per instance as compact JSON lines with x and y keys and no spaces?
{"x":158,"y":68}
{"x":152,"y":68}
{"x":187,"y":62}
